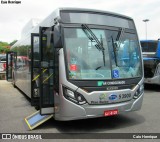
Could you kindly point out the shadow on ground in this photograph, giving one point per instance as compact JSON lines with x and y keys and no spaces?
{"x":94,"y":124}
{"x":152,"y":87}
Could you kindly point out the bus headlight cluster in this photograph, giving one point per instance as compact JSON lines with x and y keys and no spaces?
{"x":74,"y":96}
{"x":139,"y":91}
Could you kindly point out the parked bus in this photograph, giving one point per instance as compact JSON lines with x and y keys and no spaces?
{"x":151,"y":59}
{"x":77,"y":67}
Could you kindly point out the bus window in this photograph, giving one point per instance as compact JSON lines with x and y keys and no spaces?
{"x":149,"y":46}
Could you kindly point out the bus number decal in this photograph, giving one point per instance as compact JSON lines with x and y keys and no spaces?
{"x":124,"y":96}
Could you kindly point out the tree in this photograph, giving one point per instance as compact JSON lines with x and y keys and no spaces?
{"x":4,"y":47}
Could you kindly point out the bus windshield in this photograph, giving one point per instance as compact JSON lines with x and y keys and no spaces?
{"x":119,"y":56}
{"x":149,"y":46}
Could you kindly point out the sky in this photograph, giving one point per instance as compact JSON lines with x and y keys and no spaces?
{"x":13,"y":17}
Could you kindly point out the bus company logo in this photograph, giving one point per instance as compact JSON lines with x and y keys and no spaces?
{"x":6,"y":136}
{"x":116,"y":82}
{"x":102,"y":97}
{"x":102,"y":83}
{"x":113,"y":97}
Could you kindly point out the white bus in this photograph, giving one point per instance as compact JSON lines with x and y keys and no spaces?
{"x":151,"y":60}
{"x":80,"y":63}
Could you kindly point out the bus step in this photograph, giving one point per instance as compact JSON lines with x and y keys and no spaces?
{"x":36,"y":119}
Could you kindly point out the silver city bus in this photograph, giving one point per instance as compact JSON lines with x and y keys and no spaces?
{"x":80,"y":63}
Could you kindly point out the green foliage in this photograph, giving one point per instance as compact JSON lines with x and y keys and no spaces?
{"x":3,"y":43}
{"x":21,"y":50}
{"x":4,"y":47}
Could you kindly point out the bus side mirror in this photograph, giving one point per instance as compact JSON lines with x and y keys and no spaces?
{"x":57,"y":37}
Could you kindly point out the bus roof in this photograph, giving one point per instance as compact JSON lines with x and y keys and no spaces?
{"x":92,"y":11}
{"x":49,"y":21}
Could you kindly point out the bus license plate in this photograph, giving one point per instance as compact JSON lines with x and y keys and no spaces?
{"x":110,"y":112}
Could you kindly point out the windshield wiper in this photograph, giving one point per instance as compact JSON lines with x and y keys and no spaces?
{"x":98,"y":68}
{"x":93,"y":38}
{"x":118,"y":38}
{"x":114,"y":51}
{"x":103,"y":51}
{"x":119,"y":34}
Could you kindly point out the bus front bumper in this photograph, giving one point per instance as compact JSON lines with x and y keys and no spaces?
{"x":153,"y":80}
{"x":71,"y":111}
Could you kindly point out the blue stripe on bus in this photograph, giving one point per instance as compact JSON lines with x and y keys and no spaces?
{"x":158,"y":50}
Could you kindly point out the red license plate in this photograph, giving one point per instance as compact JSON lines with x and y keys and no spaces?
{"x":110,"y":112}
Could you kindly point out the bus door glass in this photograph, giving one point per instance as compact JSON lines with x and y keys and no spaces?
{"x":46,"y":69}
{"x":9,"y":65}
{"x":34,"y":55}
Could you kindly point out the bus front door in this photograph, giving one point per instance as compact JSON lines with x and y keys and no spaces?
{"x":34,"y":55}
{"x":46,"y":69}
{"x":10,"y":56}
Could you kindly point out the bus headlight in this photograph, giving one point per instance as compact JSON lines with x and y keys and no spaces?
{"x":81,"y":100}
{"x":70,"y":94}
{"x":73,"y":96}
{"x":139,"y":91}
